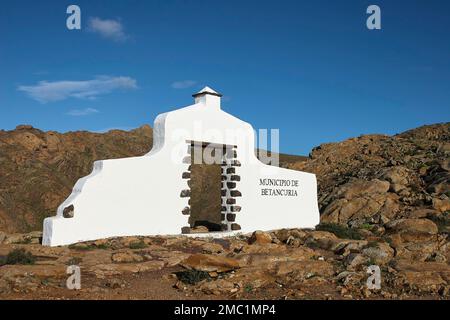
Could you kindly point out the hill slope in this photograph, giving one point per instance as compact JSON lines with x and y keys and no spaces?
{"x":373,"y":179}
{"x":366,"y":180}
{"x":38,"y":169}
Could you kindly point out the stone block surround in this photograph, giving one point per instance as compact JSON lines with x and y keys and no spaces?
{"x":229,"y":180}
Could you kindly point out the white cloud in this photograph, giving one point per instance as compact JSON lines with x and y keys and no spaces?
{"x":45,"y":91}
{"x":109,"y":29}
{"x":184,"y":84}
{"x":82,"y":112}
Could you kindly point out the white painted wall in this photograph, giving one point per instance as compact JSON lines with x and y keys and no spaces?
{"x":141,"y":195}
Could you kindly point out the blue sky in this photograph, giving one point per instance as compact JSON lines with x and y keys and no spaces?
{"x":309,"y":68}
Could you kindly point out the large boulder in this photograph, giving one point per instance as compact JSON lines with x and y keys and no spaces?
{"x":441,"y":205}
{"x":418,"y":251}
{"x":321,"y":239}
{"x":346,"y":247}
{"x":210,"y":263}
{"x":361,"y":201}
{"x":260,"y":237}
{"x":380,"y":253}
{"x":413,"y":226}
{"x":398,"y":176}
{"x":126,"y":257}
{"x":428,"y":277}
{"x":354,"y":261}
{"x":289,"y":235}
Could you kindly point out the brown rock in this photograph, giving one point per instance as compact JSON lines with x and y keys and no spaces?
{"x":235,"y":227}
{"x":321,"y":239}
{"x":355,"y":260}
{"x":286,"y":235}
{"x":103,"y":270}
{"x":413,"y":226}
{"x":199,"y":229}
{"x":441,"y":205}
{"x":17,"y":238}
{"x":417,"y":251}
{"x":346,"y":247}
{"x":217,"y":287}
{"x":127,"y":241}
{"x":263,"y":248}
{"x":210,"y":263}
{"x":253,"y":277}
{"x":126,"y":257}
{"x":269,"y":258}
{"x":260,"y":237}
{"x":210,"y":247}
{"x":2,"y":236}
{"x":29,"y":140}
{"x":115,"y":283}
{"x":424,"y":281}
{"x":380,"y":254}
{"x":406,"y":265}
{"x":40,"y":271}
{"x":360,"y":200}
{"x":304,"y":269}
{"x":170,"y":257}
{"x":68,"y":212}
{"x":362,"y":187}
{"x":398,"y":176}
{"x":422,"y":213}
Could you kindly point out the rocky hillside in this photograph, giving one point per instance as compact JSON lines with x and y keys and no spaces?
{"x":373,"y":179}
{"x":38,"y":169}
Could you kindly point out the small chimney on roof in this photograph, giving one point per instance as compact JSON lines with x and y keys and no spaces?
{"x":208,"y":97}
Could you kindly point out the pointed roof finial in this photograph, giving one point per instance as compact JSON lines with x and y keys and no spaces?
{"x":206,"y":90}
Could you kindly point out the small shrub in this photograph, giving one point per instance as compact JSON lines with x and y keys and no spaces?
{"x":18,"y":256}
{"x":366,"y":226}
{"x":371,"y":262}
{"x":248,"y":288}
{"x":192,"y":276}
{"x":340,"y":231}
{"x":138,"y":245}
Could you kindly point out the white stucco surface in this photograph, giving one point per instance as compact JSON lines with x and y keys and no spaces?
{"x":141,"y":195}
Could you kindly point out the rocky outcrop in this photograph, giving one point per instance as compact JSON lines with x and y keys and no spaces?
{"x":38,"y":169}
{"x":373,"y":179}
{"x":360,"y":201}
{"x":394,"y":187}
